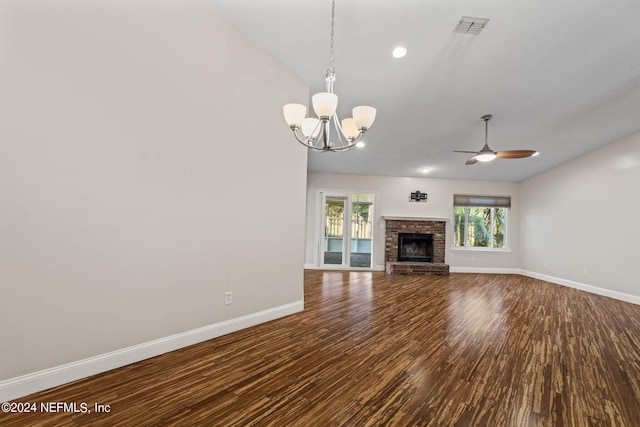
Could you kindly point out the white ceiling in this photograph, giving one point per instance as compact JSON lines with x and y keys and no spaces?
{"x":561,"y":77}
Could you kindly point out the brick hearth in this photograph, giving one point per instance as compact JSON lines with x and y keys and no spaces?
{"x":427,"y":226}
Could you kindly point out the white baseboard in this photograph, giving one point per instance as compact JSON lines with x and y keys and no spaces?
{"x":37,"y":381}
{"x":634,"y":299}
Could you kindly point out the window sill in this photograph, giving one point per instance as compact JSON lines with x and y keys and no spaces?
{"x":480,"y":249}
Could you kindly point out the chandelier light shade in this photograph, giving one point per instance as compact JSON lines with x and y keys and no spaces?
{"x":324,"y":104}
{"x":310,"y":127}
{"x":316,"y":133}
{"x":294,"y":114}
{"x":364,"y":116}
{"x":350,"y":128}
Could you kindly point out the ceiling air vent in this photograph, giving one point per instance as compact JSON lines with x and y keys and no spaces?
{"x":469,"y":25}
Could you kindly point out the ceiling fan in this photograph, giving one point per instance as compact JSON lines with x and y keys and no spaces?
{"x":487,"y":154}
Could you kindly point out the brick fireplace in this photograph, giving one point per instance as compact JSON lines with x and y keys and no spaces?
{"x":436,"y":228}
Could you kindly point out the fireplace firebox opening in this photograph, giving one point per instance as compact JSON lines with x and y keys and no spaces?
{"x":415,"y":247}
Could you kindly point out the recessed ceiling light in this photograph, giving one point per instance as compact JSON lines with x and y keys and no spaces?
{"x":399,"y":52}
{"x":425,"y":170}
{"x":360,"y":144}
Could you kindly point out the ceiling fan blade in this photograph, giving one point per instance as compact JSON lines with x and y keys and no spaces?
{"x":464,"y":151}
{"x":515,"y":154}
{"x":471,"y":161}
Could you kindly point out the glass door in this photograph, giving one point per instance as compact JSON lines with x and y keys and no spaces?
{"x":335,"y":230}
{"x":361,"y":230}
{"x":346,"y":230}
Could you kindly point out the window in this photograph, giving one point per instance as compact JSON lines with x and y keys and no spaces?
{"x":480,"y":221}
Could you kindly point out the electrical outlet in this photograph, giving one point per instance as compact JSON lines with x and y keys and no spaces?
{"x":546,"y":265}
{"x":228,"y":298}
{"x":585,"y":273}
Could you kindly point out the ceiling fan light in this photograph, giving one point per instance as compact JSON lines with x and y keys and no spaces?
{"x":294,"y":114}
{"x":364,"y":116}
{"x":485,"y":157}
{"x":324,"y":104}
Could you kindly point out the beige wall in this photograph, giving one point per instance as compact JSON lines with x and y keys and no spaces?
{"x":392,"y":199}
{"x":134,"y":182}
{"x":580,"y":220}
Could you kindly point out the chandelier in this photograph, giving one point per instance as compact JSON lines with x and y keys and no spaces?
{"x":315,"y":133}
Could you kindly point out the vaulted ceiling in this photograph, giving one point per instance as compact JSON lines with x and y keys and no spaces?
{"x":560,"y":77}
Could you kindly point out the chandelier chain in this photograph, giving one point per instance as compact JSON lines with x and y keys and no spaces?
{"x":333,"y":23}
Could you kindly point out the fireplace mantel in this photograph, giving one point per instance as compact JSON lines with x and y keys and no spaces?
{"x":414,"y":218}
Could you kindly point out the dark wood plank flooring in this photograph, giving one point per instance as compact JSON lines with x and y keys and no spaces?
{"x":372,"y":349}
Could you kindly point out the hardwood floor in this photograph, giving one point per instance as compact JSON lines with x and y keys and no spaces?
{"x":377,"y":350}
